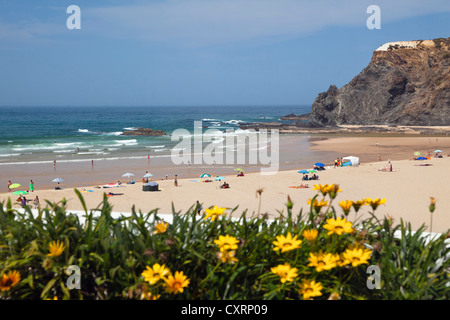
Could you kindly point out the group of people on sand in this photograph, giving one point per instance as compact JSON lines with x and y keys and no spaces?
{"x":313,"y":177}
{"x":338,"y":162}
{"x":225,"y":185}
{"x":23,"y":201}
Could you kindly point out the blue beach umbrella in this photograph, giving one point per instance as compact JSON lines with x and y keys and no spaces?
{"x":319,"y":164}
{"x":58,"y":180}
{"x":303,"y":171}
{"x":421,"y":158}
{"x":220,"y":178}
{"x":148,"y":175}
{"x":205,"y":175}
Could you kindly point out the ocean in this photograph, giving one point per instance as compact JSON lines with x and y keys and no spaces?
{"x":88,"y":147}
{"x":68,"y":134}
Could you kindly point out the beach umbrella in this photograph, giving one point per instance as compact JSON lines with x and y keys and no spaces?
{"x":312,"y":171}
{"x":303,"y":171}
{"x":127,"y":175}
{"x":238,"y":169}
{"x":417,"y":153}
{"x":58,"y":180}
{"x":14,"y":185}
{"x":220,"y":178}
{"x":205,"y":175}
{"x":148,"y":175}
{"x":20,"y":192}
{"x":437,"y":150}
{"x":319,"y":164}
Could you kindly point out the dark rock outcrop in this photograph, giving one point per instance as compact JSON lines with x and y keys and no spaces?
{"x":300,"y":117}
{"x":144,"y":132}
{"x":405,"y":83}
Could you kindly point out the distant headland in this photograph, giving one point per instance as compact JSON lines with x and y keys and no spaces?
{"x":405,"y":88}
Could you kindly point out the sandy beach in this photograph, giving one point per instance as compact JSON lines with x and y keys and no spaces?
{"x":407,"y":189}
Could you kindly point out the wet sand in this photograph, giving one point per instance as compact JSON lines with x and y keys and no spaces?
{"x":407,"y":189}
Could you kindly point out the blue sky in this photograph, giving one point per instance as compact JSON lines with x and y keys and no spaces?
{"x":196,"y":52}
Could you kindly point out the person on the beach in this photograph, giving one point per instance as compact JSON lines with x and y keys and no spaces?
{"x":199,"y":208}
{"x":54,"y":163}
{"x":335,"y":163}
{"x":31,"y":186}
{"x":24,"y":201}
{"x":175,"y":182}
{"x":9,"y":183}
{"x":36,"y":202}
{"x":390,"y":166}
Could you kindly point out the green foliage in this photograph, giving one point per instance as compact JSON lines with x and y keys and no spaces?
{"x":113,"y":252}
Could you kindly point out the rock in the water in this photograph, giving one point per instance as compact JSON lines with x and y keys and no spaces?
{"x":144,"y":132}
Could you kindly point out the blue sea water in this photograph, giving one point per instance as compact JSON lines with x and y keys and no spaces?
{"x":44,"y":134}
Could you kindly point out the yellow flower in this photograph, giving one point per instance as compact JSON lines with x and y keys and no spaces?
{"x":358,"y":204}
{"x":338,"y":226}
{"x":356,"y":256}
{"x":227,"y":243}
{"x":346,"y":205}
{"x":227,"y":256}
{"x":156,"y":273}
{"x":317,"y":205}
{"x":9,"y":280}
{"x":160,"y":227}
{"x":331,"y":190}
{"x":375,"y":202}
{"x":310,"y":234}
{"x":56,"y":248}
{"x":147,"y":295}
{"x":322,"y":261}
{"x":214,"y":213}
{"x":432,"y":204}
{"x":310,"y":289}
{"x":334,"y":296}
{"x":287,"y":243}
{"x":339,"y":259}
{"x":285,"y":272}
{"x":176,"y":283}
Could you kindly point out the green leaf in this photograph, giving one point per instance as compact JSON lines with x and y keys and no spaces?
{"x":48,"y":287}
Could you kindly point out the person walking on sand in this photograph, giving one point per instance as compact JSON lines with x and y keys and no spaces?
{"x":36,"y":202}
{"x":9,"y":183}
{"x":31,"y":186}
{"x":175,"y":182}
{"x":54,"y":163}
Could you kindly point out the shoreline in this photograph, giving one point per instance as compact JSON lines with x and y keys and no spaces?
{"x":407,"y":189}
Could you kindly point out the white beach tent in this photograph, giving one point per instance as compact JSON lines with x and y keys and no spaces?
{"x":353,"y":160}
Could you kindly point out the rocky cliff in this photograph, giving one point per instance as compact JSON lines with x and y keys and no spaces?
{"x":405,"y":83}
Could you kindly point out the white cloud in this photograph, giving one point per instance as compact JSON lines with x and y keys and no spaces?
{"x":204,"y":22}
{"x":200,"y":22}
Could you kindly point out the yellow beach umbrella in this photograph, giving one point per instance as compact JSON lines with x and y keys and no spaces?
{"x":14,"y":185}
